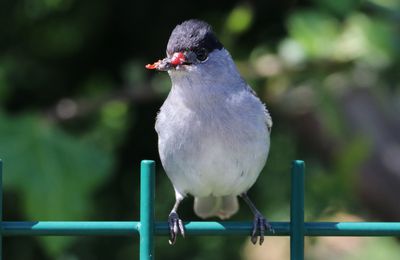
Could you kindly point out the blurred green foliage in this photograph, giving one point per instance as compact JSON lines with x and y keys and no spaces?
{"x":53,"y":173}
{"x":77,"y":111}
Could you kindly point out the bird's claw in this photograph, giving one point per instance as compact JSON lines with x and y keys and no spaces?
{"x":260,"y":224}
{"x":175,"y":227}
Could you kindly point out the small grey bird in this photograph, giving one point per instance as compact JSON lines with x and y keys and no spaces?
{"x":213,"y":131}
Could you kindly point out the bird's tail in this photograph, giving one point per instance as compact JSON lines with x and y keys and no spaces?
{"x":222,"y":207}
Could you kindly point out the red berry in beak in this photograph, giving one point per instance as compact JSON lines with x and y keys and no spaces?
{"x":178,"y":59}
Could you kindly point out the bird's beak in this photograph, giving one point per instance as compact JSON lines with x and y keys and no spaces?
{"x":178,"y":58}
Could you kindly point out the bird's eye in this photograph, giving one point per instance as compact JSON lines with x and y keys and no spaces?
{"x":201,"y":54}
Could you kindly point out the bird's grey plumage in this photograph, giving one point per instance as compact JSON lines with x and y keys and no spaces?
{"x":213,"y":130}
{"x":213,"y":134}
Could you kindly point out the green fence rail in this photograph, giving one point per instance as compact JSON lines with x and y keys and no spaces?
{"x":147,"y":227}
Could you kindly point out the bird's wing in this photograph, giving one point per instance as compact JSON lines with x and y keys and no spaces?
{"x":268,"y":119}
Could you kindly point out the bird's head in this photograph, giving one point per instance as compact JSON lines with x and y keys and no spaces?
{"x":193,"y":47}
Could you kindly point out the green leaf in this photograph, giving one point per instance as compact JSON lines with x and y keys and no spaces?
{"x":55,"y":173}
{"x":315,"y":31}
{"x":338,"y":7}
{"x":378,"y":39}
{"x":240,"y":19}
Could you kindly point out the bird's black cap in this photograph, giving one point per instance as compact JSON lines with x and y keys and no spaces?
{"x":191,"y":35}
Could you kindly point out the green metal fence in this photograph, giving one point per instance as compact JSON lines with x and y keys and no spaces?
{"x":147,"y":227}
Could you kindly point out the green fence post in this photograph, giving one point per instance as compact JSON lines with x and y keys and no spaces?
{"x":297,"y":212}
{"x":147,"y":176}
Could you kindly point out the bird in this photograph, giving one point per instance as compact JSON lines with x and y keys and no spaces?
{"x":213,"y":130}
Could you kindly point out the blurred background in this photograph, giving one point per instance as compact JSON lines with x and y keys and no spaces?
{"x":77,"y":114}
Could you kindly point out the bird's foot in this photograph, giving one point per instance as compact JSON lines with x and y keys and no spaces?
{"x":175,"y":227}
{"x":260,"y":224}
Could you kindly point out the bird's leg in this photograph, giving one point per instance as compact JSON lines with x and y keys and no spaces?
{"x":260,"y":222}
{"x":175,"y":223}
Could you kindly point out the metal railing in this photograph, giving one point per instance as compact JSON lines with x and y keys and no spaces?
{"x":147,"y":227}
